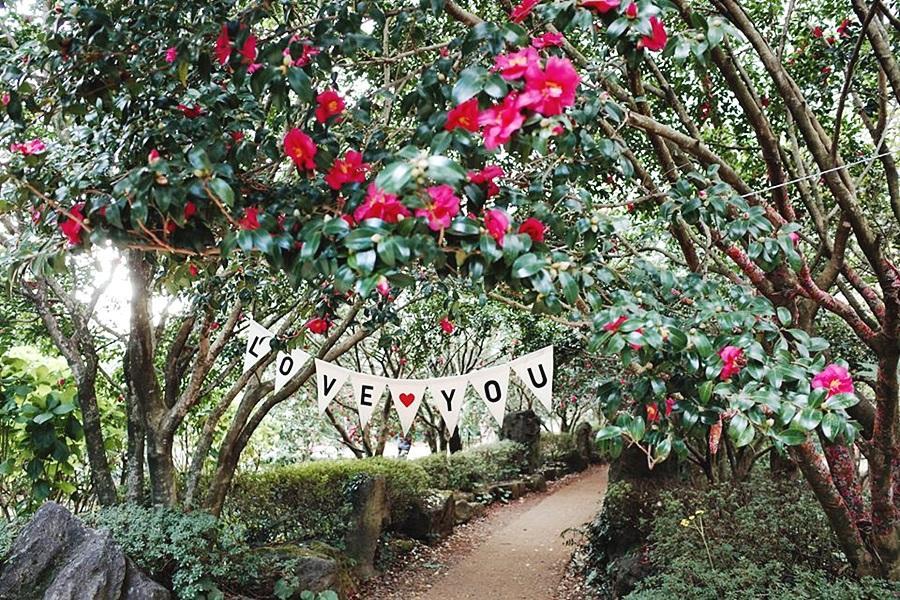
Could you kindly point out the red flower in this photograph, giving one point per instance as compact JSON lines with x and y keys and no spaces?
{"x":236,"y":135}
{"x":634,"y":345}
{"x":380,"y":205}
{"x":613,"y":326}
{"x":248,"y":50}
{"x":349,"y":220}
{"x":670,"y":404}
{"x":501,"y":121}
{"x":35,"y":146}
{"x":550,"y":90}
{"x":817,"y":31}
{"x":843,"y":29}
{"x":170,"y":227}
{"x":464,"y":115}
{"x":383,"y":287}
{"x":306,"y":54}
{"x":193,"y":270}
{"x":300,"y":148}
{"x":171,"y":54}
{"x":652,"y":413}
{"x":835,"y":378}
{"x":497,"y":224}
{"x":330,"y":104}
{"x":73,"y":226}
{"x":190,"y":209}
{"x":487,"y":176}
{"x":350,"y":169}
{"x":5,"y":98}
{"x":223,"y":45}
{"x":631,"y":11}
{"x":657,"y":39}
{"x":153,"y":157}
{"x":795,"y":237}
{"x":443,"y":207}
{"x":446,"y":326}
{"x":534,"y":228}
{"x":601,"y":6}
{"x":519,"y":13}
{"x":318,"y":325}
{"x":733,"y":357}
{"x":514,"y":65}
{"x":191,"y":112}
{"x":547,"y":40}
{"x":249,"y":221}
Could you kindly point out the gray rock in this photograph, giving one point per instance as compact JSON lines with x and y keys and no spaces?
{"x":509,"y":490}
{"x":432,"y":517}
{"x":57,"y":557}
{"x":464,"y":511}
{"x":370,"y":513}
{"x":584,"y":443}
{"x":536,"y":483}
{"x":525,"y":428}
{"x":317,"y":567}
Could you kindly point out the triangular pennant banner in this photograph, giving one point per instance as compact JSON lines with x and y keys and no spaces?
{"x":447,"y":394}
{"x":367,"y":391}
{"x":492,"y":385}
{"x":258,"y":340}
{"x":407,"y":395}
{"x":329,"y":381}
{"x":288,"y":365}
{"x":536,"y":372}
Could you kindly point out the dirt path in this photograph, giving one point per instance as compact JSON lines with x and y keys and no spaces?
{"x":525,"y":558}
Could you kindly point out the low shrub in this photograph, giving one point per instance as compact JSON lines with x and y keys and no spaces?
{"x":559,"y":448}
{"x":468,"y":468}
{"x":189,"y":553}
{"x":309,"y":501}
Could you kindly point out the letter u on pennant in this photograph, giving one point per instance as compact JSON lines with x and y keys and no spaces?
{"x":535,"y":370}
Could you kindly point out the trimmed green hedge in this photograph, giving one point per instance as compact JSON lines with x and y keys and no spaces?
{"x":311,"y":500}
{"x":468,"y":468}
{"x":559,"y":448}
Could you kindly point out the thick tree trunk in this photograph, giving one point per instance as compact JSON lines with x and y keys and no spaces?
{"x":134,"y":464}
{"x":101,"y":475}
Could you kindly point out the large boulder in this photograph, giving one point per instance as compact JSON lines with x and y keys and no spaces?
{"x":524,"y":427}
{"x":370,"y":513}
{"x":584,"y":443}
{"x":431,"y":517}
{"x":317,"y":567}
{"x":57,"y":556}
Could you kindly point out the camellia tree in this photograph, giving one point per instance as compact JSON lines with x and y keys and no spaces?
{"x":359,"y":147}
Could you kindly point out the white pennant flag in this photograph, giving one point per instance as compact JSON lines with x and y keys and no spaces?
{"x":407,"y":395}
{"x":258,"y":340}
{"x":288,"y":365}
{"x":536,"y":372}
{"x":447,"y":394}
{"x":367,"y":391}
{"x":492,"y":385}
{"x":329,"y":381}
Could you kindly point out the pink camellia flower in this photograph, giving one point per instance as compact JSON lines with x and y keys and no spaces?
{"x":300,"y":148}
{"x":253,"y":68}
{"x":634,"y":345}
{"x":513,"y":65}
{"x":733,"y":357}
{"x":534,"y":228}
{"x":631,"y":11}
{"x":464,"y":115}
{"x":5,"y":98}
{"x":613,"y":326}
{"x":191,"y":112}
{"x":835,"y":378}
{"x":521,"y":11}
{"x":443,"y":207}
{"x":380,"y":205}
{"x":350,"y":169}
{"x":446,"y":326}
{"x":383,"y":287}
{"x":795,"y":237}
{"x":153,"y":157}
{"x":487,"y":176}
{"x":248,"y":50}
{"x":657,"y":39}
{"x":497,"y":224}
{"x":652,"y":413}
{"x":670,"y":404}
{"x":601,"y":6}
{"x":306,"y":53}
{"x":190,"y":209}
{"x":318,"y":325}
{"x":501,"y":121}
{"x":843,"y":29}
{"x":73,"y":226}
{"x":330,"y":104}
{"x":223,"y":45}
{"x":193,"y":270}
{"x":547,"y":40}
{"x":817,"y":31}
{"x":171,"y":54}
{"x":552,"y":89}
{"x":35,"y":146}
{"x":250,"y":220}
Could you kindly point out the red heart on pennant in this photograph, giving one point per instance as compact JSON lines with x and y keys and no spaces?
{"x":407,"y":399}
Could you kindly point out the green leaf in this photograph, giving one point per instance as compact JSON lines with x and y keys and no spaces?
{"x":222,"y":191}
{"x":636,"y":429}
{"x":444,"y":170}
{"x":199,"y":159}
{"x":569,"y":287}
{"x":784,"y":316}
{"x":839,"y":401}
{"x":662,"y":450}
{"x":608,"y":432}
{"x":705,"y":391}
{"x":470,"y":82}
{"x":527,"y":265}
{"x":791,"y":437}
{"x":299,"y":82}
{"x":394,"y":176}
{"x":808,"y":418}
{"x":832,"y":424}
